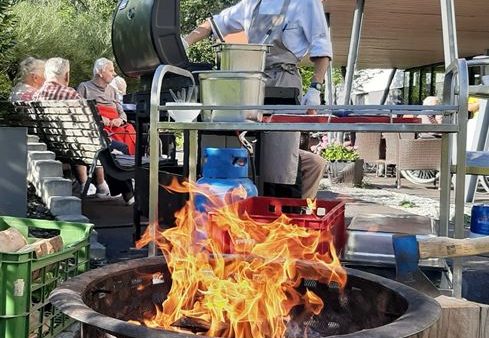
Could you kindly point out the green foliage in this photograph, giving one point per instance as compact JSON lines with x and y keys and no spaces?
{"x":7,"y":43}
{"x":66,"y":29}
{"x":407,"y":204}
{"x":307,"y":71}
{"x":338,"y":152}
{"x":192,"y":14}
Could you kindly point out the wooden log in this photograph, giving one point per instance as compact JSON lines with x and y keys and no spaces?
{"x":459,"y":318}
{"x":11,"y":240}
{"x":450,"y":247}
{"x":43,"y":247}
{"x":484,"y":321}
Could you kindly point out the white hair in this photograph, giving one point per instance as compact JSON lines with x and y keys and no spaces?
{"x":119,"y":84}
{"x":29,"y":66}
{"x":100,"y":65}
{"x":431,"y":101}
{"x":56,"y":68}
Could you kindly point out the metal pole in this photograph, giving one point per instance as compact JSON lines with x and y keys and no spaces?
{"x":353,"y":51}
{"x":329,"y":74}
{"x":154,"y":144}
{"x":329,"y":77}
{"x":154,"y":118}
{"x":450,"y":44}
{"x":450,"y":47}
{"x":388,"y":86}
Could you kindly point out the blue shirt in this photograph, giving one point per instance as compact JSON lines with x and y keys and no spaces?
{"x":304,"y":28}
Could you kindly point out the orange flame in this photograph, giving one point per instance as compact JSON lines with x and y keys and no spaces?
{"x":251,"y":292}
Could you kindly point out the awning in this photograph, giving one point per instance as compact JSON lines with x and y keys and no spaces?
{"x":406,"y":33}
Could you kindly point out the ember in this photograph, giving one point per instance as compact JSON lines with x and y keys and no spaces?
{"x":251,"y":293}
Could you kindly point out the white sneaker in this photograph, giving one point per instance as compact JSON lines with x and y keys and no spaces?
{"x":116,"y":152}
{"x":103,"y":190}
{"x":91,"y":189}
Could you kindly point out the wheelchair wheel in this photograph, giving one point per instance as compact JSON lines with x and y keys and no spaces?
{"x":421,"y":176}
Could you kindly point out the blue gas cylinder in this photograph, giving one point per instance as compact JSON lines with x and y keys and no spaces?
{"x":479,"y":220}
{"x":223,"y":170}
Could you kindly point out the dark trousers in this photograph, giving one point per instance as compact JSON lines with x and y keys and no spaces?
{"x":284,"y":190}
{"x":120,"y":146}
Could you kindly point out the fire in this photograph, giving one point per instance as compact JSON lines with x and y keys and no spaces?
{"x":235,"y":277}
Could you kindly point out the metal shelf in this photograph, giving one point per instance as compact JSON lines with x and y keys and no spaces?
{"x":363,"y":127}
{"x":455,"y":117}
{"x":477,"y":163}
{"x":481,"y":92}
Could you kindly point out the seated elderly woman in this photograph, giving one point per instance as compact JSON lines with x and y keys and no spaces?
{"x":31,"y":78}
{"x":108,"y":103}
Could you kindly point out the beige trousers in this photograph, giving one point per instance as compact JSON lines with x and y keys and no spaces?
{"x":312,"y":170}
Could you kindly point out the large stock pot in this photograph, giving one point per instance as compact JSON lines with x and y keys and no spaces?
{"x":231,"y":88}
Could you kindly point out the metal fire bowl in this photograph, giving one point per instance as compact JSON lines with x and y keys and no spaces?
{"x":125,"y":290}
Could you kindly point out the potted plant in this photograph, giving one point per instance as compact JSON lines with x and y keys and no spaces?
{"x":345,"y":165}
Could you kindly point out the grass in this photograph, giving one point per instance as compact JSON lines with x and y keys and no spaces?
{"x":407,"y":204}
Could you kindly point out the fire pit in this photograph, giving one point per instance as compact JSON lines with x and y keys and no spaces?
{"x":105,"y":299}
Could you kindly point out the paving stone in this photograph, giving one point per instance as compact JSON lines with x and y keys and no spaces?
{"x":64,"y":205}
{"x":55,"y":186}
{"x":36,"y":146}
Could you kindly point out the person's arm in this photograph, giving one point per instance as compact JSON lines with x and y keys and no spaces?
{"x":200,"y":33}
{"x":229,"y":21}
{"x":321,"y":65}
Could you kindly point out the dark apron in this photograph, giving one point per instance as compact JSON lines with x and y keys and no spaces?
{"x":279,"y":150}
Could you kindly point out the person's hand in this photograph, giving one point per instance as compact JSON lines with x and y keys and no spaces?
{"x":184,"y":43}
{"x":117,"y":122}
{"x":105,"y":121}
{"x":312,"y":98}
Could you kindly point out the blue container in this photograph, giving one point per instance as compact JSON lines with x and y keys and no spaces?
{"x":224,"y":169}
{"x":479,"y":220}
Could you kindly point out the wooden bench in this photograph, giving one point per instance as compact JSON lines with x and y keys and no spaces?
{"x":73,"y":130}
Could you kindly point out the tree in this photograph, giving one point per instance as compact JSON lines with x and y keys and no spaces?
{"x":193,"y":13}
{"x":64,"y":28}
{"x":7,"y":43}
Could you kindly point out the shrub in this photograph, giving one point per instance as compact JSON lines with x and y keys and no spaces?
{"x":338,"y":152}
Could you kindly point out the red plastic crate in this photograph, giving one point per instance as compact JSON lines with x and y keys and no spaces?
{"x":268,"y":209}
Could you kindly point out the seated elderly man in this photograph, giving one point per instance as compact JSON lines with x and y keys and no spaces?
{"x":57,"y":73}
{"x":31,"y":75}
{"x":108,"y":103}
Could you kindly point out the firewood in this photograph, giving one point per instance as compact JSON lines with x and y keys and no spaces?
{"x":43,"y":247}
{"x":196,"y":325}
{"x":11,"y":240}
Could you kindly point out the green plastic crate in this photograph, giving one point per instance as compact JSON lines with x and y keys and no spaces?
{"x":26,"y":281}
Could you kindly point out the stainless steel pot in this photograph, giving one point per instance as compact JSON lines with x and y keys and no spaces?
{"x":241,"y":57}
{"x":231,"y":88}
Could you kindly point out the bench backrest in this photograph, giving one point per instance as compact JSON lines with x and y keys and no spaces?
{"x":72,"y":129}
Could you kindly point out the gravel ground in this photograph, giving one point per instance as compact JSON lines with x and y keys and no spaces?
{"x":35,"y":206}
{"x":409,"y":202}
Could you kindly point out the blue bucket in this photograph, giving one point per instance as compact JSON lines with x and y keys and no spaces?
{"x":479,"y":221}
